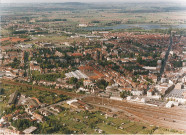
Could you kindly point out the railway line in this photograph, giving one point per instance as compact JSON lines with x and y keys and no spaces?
{"x":71,"y":94}
{"x":159,"y":116}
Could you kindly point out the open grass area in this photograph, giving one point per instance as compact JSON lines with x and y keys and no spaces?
{"x":91,"y":122}
{"x":43,"y":96}
{"x":2,"y":106}
{"x":49,"y":38}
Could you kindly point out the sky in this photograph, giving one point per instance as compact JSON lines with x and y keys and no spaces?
{"x":61,"y":1}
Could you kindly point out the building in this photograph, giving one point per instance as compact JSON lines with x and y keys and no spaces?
{"x":88,"y":83}
{"x":45,"y":113}
{"x":165,"y":88}
{"x":83,"y":25}
{"x":13,"y":98}
{"x":177,"y":95}
{"x":159,"y":62}
{"x":179,"y":86}
{"x":76,"y":74}
{"x":56,"y":108}
{"x":29,"y":130}
{"x":116,"y":98}
{"x":150,"y":93}
{"x":38,"y":116}
{"x":137,"y":92}
{"x":171,"y":104}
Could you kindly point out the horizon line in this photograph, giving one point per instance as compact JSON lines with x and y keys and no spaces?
{"x":94,"y":2}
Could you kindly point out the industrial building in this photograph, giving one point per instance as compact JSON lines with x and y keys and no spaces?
{"x":13,"y":98}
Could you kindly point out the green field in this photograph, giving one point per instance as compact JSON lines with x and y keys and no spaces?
{"x":87,"y":122}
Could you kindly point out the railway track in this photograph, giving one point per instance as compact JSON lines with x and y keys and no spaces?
{"x":70,"y":94}
{"x":168,"y":118}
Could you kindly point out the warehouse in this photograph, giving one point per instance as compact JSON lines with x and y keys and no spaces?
{"x":13,"y":98}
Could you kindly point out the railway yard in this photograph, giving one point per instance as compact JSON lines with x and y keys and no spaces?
{"x":173,"y":118}
{"x":169,"y":118}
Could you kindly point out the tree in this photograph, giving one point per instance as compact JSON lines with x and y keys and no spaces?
{"x":15,"y":63}
{"x":123,"y":94}
{"x":26,"y":55}
{"x":2,"y":91}
{"x":73,"y":80}
{"x":102,"y":84}
{"x":139,"y":60}
{"x":21,"y":124}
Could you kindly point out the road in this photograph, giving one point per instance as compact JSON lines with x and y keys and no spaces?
{"x":165,"y":59}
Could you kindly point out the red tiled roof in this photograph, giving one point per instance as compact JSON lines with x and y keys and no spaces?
{"x":77,"y":54}
{"x":13,"y":39}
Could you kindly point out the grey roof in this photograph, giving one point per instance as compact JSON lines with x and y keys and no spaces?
{"x":13,"y":97}
{"x":177,"y":93}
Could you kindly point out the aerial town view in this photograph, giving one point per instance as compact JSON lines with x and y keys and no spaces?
{"x":92,"y":67}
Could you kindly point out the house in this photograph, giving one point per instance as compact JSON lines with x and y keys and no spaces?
{"x":38,"y":116}
{"x":35,"y":67}
{"x":150,"y":93}
{"x":59,"y":54}
{"x":88,"y":83}
{"x":56,"y":108}
{"x":184,"y":79}
{"x":45,"y":113}
{"x":179,"y":86}
{"x":77,"y":54}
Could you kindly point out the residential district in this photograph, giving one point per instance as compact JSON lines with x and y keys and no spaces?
{"x":82,"y":82}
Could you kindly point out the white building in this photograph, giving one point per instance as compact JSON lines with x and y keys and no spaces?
{"x":137,"y":92}
{"x":83,"y":25}
{"x":71,"y":101}
{"x":76,"y":74}
{"x":171,"y":104}
{"x":116,"y":98}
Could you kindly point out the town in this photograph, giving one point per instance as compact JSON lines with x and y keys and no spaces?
{"x":62,"y":77}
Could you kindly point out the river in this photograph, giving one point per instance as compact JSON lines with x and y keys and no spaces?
{"x":128,"y":26}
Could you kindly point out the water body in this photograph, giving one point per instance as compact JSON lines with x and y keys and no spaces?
{"x":143,"y":26}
